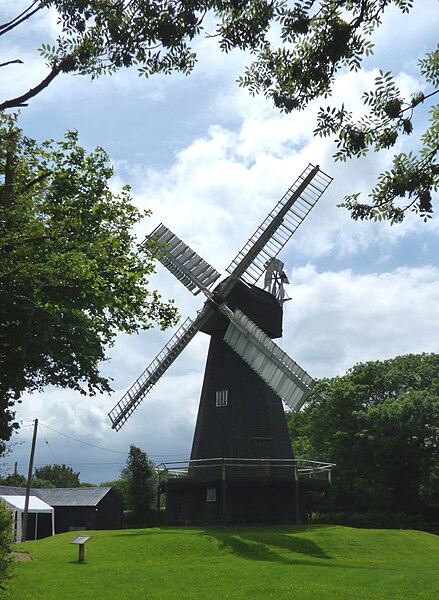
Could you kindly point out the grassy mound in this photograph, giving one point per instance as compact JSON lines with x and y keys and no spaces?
{"x":315,"y":562}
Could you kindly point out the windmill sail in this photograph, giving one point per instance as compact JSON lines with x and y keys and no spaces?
{"x":187,"y":266}
{"x":274,"y":366}
{"x":137,"y":392}
{"x":289,"y":381}
{"x":272,"y":235}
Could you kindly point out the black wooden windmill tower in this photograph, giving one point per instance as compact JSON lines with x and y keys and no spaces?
{"x":242,"y":467}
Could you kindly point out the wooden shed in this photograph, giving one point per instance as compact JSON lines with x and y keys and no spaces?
{"x":41,"y":517}
{"x":78,"y":508}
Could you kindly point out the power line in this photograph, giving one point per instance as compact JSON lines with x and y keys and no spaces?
{"x":82,"y":442}
{"x":50,"y":448}
{"x":91,"y":464}
{"x":102,"y":448}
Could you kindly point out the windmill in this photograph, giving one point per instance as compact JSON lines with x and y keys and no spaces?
{"x":241,"y":424}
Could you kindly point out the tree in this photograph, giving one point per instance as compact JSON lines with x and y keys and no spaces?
{"x":5,"y":545}
{"x":299,"y":48}
{"x":380,"y":424}
{"x":41,"y":484}
{"x":14,"y":480}
{"x":141,"y":484}
{"x":71,"y":272}
{"x":119,"y":486}
{"x":319,"y":38}
{"x":59,"y":476}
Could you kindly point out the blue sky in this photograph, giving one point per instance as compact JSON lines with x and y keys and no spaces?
{"x":211,"y":162}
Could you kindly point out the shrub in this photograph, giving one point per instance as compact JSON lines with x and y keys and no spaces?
{"x":151,"y":518}
{"x":5,"y":545}
{"x":371,"y":520}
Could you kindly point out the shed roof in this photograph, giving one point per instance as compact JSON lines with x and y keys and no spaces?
{"x":72,"y":496}
{"x":87,"y":496}
{"x":35,"y":504}
{"x":9,"y":490}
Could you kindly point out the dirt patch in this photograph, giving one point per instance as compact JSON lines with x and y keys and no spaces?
{"x":21,"y":556}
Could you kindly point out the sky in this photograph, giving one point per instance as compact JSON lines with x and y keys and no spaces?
{"x":211,"y":162}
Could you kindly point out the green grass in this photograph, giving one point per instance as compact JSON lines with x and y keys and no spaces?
{"x":319,"y":561}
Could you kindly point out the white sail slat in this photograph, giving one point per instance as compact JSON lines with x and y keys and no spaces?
{"x":285,"y":377}
{"x":183,"y":262}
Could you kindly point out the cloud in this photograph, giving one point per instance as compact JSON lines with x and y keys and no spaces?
{"x":337,"y":319}
{"x":211,"y":162}
{"x":221,"y":187}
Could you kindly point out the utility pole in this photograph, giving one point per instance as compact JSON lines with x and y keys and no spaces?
{"x":29,"y":479}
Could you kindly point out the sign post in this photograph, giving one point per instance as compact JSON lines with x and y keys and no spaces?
{"x":80,"y":542}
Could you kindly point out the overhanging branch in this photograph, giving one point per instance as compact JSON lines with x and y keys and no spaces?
{"x":21,"y":100}
{"x":26,"y":14}
{"x":10,"y":62}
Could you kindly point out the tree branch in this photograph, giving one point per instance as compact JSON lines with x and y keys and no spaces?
{"x":35,"y":181}
{"x":19,"y":19}
{"x":20,"y":240}
{"x":20,"y":100}
{"x":10,"y":62}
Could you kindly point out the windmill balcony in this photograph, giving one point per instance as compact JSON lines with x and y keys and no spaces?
{"x":213,"y":469}
{"x":240,"y":490}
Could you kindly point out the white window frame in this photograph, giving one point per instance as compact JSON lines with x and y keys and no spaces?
{"x":221,"y":398}
{"x":211,"y":494}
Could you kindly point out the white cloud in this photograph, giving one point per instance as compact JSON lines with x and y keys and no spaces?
{"x":337,"y":319}
{"x":237,"y":158}
{"x":334,"y":320}
{"x":407,"y":37}
{"x":221,"y":187}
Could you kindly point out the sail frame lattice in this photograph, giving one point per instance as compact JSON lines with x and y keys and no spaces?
{"x":143,"y":384}
{"x":278,"y":227}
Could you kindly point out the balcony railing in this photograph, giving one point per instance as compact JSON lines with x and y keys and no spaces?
{"x":245,"y":468}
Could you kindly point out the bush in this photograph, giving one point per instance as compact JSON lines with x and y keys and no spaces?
{"x":371,"y":520}
{"x":152,"y":518}
{"x":5,"y":545}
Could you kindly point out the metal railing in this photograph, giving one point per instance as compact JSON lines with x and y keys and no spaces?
{"x":225,"y":468}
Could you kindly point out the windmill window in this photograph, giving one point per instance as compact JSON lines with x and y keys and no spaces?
{"x":221,"y":398}
{"x":211,"y":494}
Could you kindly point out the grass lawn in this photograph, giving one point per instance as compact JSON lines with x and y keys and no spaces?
{"x":314,"y":562}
